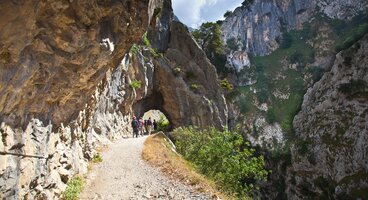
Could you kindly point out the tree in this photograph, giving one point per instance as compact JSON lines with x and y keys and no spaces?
{"x":228,"y":13}
{"x":208,"y":36}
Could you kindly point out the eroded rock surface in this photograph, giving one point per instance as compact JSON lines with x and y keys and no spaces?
{"x":65,"y":85}
{"x":257,"y":26}
{"x":333,"y":126}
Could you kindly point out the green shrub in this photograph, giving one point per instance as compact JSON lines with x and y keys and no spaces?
{"x":163,"y":124}
{"x":177,"y":71}
{"x":194,"y":86}
{"x":155,"y":53}
{"x":135,"y":84}
{"x":97,"y":158}
{"x":231,"y":44}
{"x":146,"y":41}
{"x":73,"y":189}
{"x":135,"y":49}
{"x":228,"y":13}
{"x":226,"y":85}
{"x":222,"y":156}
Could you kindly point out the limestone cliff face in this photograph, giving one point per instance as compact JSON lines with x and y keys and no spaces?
{"x":66,"y":88}
{"x":55,"y":53}
{"x":333,"y":125}
{"x":257,"y":27}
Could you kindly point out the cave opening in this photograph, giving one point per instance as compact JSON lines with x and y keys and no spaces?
{"x":158,"y":117}
{"x":152,"y":107}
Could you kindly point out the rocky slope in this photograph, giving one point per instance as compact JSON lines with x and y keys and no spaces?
{"x":333,"y":125}
{"x":67,"y":85}
{"x":278,"y":49}
{"x":258,"y":25}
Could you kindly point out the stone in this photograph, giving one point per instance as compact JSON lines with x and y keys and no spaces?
{"x":333,"y":122}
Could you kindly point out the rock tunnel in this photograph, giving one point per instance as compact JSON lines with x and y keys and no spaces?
{"x":154,"y":101}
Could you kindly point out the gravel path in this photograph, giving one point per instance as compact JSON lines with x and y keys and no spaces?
{"x":124,"y":175}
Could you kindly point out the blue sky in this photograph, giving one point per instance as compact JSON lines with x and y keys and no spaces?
{"x":194,"y":12}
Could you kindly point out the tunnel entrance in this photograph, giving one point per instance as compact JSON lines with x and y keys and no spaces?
{"x":158,"y":118}
{"x":152,"y":107}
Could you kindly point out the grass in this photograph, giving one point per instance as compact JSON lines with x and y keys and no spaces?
{"x":74,"y":188}
{"x":97,"y":158}
{"x":159,"y":153}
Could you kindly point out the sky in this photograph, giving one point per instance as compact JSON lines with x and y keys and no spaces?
{"x":194,"y":12}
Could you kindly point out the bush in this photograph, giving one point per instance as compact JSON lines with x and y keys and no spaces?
{"x":231,"y":44}
{"x":228,"y":13}
{"x":194,"y":86}
{"x":135,"y":49}
{"x":223,"y":156}
{"x":73,"y":189}
{"x":145,"y":39}
{"x":135,"y":84}
{"x":177,"y":71}
{"x":226,"y":85}
{"x":163,"y":124}
{"x":97,"y":158}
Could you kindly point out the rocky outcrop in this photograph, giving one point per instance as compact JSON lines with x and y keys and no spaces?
{"x":55,"y":53}
{"x":332,"y":125}
{"x":257,"y":26}
{"x":66,"y":85}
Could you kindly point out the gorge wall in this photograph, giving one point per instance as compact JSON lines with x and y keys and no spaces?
{"x":257,"y":27}
{"x":333,"y":125}
{"x":67,"y":70}
{"x":321,"y":153}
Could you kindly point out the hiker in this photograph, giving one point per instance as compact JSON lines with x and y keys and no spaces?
{"x":154,"y":125}
{"x":149,"y":126}
{"x":141,"y":126}
{"x":145,"y":126}
{"x":135,"y":126}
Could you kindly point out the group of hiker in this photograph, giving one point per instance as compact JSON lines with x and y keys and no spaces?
{"x":142,"y":127}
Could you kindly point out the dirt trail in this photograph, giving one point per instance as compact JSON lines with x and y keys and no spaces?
{"x":124,"y":175}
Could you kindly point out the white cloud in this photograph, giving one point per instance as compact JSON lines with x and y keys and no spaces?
{"x":195,"y":12}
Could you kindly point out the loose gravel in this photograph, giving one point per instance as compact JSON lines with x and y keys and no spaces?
{"x":124,"y":175}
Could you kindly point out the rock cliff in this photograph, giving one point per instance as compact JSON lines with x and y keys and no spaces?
{"x":67,"y":73}
{"x":333,"y":160}
{"x":257,"y":26}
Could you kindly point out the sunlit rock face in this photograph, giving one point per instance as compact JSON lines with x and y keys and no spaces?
{"x":67,"y":70}
{"x":333,"y":125}
{"x":56,"y":58}
{"x":54,"y":53}
{"x":257,"y":27}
